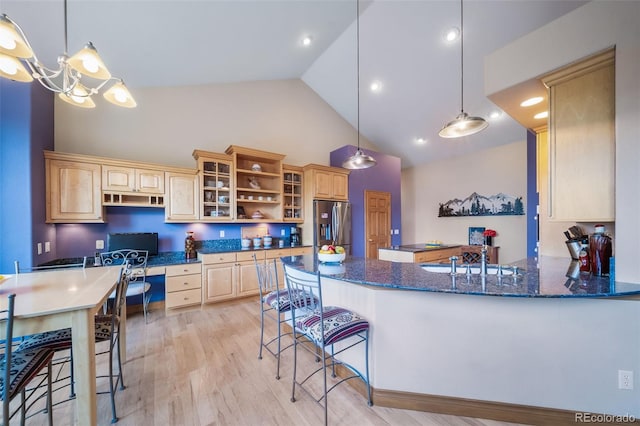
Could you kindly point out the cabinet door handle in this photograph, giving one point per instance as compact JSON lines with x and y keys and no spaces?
{"x":185,"y":283}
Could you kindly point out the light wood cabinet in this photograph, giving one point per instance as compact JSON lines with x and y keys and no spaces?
{"x":582,"y":140}
{"x":182,"y":199}
{"x":183,"y":285}
{"x":127,"y":179}
{"x":259,"y":184}
{"x":217,"y":183}
{"x":293,"y":193}
{"x":230,"y":275}
{"x":327,"y":183}
{"x":72,"y":190}
{"x":473,"y":254}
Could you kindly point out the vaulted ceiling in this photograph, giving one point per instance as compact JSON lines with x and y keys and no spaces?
{"x":181,"y":42}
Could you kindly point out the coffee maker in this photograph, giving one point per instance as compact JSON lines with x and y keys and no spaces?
{"x":296,"y":236}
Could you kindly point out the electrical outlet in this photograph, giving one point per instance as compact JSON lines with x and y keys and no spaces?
{"x":39,"y":248}
{"x":282,"y":233}
{"x":396,"y":231}
{"x":47,"y":246}
{"x":99,"y":244}
{"x":625,"y":379}
{"x":221,"y":233}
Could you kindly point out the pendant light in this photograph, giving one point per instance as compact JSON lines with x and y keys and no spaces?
{"x":65,"y":80}
{"x":359,"y":160}
{"x":463,"y":125}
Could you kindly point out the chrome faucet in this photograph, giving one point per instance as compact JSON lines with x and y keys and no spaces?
{"x":453,"y":260}
{"x":483,"y":261}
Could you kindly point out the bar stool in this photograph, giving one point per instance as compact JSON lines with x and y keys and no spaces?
{"x":317,"y":328}
{"x":274,"y":304}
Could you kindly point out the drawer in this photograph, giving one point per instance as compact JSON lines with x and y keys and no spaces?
{"x":218,"y":258}
{"x":276,"y":253}
{"x":300,"y":251}
{"x":192,"y":268}
{"x":183,"y":282}
{"x":179,"y":299}
{"x":155,"y":270}
{"x":248,"y":255}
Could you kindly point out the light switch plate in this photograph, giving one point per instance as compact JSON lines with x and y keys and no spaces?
{"x":99,"y":244}
{"x":47,"y":246}
{"x":39,"y":248}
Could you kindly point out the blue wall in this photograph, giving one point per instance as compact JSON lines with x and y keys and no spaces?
{"x":532,"y":195}
{"x":385,"y":177}
{"x":76,"y":240}
{"x":26,"y":128}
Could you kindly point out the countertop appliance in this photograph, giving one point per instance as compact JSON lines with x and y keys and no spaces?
{"x":332,"y":224}
{"x":134,"y":240}
{"x":296,"y":236}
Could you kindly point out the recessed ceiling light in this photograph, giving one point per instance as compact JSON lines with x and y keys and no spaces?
{"x":452,"y":34}
{"x":420,"y":141}
{"x":543,"y":114}
{"x":306,"y":41}
{"x":532,"y":101}
{"x":495,"y":115}
{"x":376,"y":86}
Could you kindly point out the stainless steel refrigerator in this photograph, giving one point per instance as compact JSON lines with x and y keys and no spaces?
{"x":332,"y":224}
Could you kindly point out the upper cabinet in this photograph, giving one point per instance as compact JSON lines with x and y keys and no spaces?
{"x":292,"y":193}
{"x":327,"y":183}
{"x":217,"y":183}
{"x":128,"y":179}
{"x":258,"y":194}
{"x":183,"y":198}
{"x":582,"y":140}
{"x":73,"y":189}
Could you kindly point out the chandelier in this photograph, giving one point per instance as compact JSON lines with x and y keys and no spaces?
{"x":68,"y":79}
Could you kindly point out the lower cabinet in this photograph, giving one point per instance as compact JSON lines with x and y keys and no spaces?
{"x":436,"y":256}
{"x":228,"y":276}
{"x":183,"y":285}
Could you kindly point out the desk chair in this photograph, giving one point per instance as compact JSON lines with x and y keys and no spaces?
{"x":107,"y":329}
{"x":138,"y":284}
{"x":317,"y":328}
{"x":18,"y":369}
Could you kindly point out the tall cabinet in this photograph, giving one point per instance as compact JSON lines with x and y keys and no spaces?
{"x":582,"y":140}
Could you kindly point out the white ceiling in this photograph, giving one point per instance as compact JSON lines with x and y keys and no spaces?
{"x":183,"y":42}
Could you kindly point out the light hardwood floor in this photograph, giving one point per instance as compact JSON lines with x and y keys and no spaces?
{"x":200,"y":367}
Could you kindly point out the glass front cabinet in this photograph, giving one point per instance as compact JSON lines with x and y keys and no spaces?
{"x":216,"y":185}
{"x":292,"y":193}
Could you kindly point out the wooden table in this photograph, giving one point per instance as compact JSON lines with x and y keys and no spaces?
{"x":51,"y":300}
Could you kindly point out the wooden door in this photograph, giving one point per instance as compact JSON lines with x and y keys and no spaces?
{"x":377,"y":207}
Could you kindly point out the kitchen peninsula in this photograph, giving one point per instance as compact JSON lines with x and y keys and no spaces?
{"x":500,"y":346}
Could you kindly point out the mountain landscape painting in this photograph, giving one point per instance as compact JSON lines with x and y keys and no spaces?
{"x":481,"y":205}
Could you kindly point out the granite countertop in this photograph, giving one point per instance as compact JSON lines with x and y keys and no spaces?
{"x":548,"y":277}
{"x":417,"y":248}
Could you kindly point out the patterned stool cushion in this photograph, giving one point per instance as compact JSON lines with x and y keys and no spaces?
{"x":56,"y":340}
{"x":339,"y":323}
{"x":103,"y":327}
{"x":280,"y":301}
{"x":25,"y":365}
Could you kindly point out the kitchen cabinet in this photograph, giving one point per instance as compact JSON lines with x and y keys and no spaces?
{"x":183,"y":285}
{"x":182,"y":199}
{"x":73,"y":189}
{"x":128,"y":179}
{"x":436,"y":256}
{"x":217,"y":184}
{"x":230,"y":275}
{"x":327,"y":183}
{"x":582,"y":140}
{"x":258,"y":192}
{"x":293,"y":193}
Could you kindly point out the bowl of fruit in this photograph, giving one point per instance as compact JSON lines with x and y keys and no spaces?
{"x":331,"y":254}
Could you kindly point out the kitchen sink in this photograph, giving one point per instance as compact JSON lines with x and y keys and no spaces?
{"x":445,"y":268}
